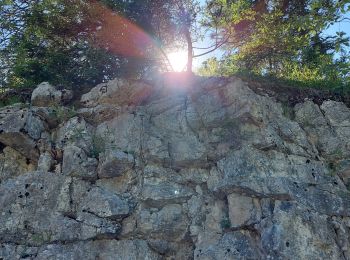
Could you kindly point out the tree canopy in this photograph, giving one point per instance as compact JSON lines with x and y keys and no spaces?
{"x":76,"y":43}
{"x":282,"y":38}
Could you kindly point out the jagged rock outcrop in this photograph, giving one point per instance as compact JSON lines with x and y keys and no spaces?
{"x":207,"y":169}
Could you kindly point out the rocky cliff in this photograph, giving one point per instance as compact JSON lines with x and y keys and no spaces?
{"x":174,"y":169}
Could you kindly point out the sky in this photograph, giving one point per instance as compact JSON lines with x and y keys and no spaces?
{"x":205,"y":43}
{"x":337,"y":27}
{"x":341,"y":26}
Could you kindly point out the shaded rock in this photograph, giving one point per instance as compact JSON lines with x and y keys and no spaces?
{"x":294,"y":233}
{"x":309,"y":114}
{"x":209,"y":219}
{"x":256,"y":173}
{"x":172,"y":134}
{"x":114,"y":163}
{"x":34,"y":125}
{"x":341,"y":227}
{"x":121,"y":184}
{"x":216,"y":104}
{"x":338,"y":116}
{"x":160,"y":246}
{"x":11,"y":251}
{"x":67,"y":96}
{"x":215,"y":220}
{"x":100,"y":249}
{"x":71,"y":194}
{"x":343,"y":170}
{"x":163,"y":185}
{"x":13,"y":164}
{"x":47,"y":115}
{"x":243,"y":210}
{"x":172,"y":250}
{"x":182,"y":176}
{"x":235,"y":245}
{"x":19,"y":129}
{"x":156,"y":192}
{"x":168,"y":223}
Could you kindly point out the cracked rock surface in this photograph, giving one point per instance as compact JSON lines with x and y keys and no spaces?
{"x":207,"y":170}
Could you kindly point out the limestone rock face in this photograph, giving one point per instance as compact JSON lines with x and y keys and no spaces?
{"x":174,"y":169}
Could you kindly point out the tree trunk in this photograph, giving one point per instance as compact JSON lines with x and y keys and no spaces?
{"x":189,"y":49}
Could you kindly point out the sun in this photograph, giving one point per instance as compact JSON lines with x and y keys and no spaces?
{"x":178,"y":60}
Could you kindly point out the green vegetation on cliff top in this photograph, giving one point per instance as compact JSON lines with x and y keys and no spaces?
{"x":74,"y":43}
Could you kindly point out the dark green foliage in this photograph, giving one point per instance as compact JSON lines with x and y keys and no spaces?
{"x":62,"y":41}
{"x":225,"y":223}
{"x":281,"y":39}
{"x":59,"y":41}
{"x":10,"y":101}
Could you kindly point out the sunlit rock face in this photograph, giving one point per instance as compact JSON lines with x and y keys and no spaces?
{"x":180,"y":167}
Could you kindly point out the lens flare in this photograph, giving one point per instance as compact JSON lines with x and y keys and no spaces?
{"x":118,"y":34}
{"x":178,"y":60}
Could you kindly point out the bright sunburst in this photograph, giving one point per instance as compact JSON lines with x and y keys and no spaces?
{"x":178,"y":60}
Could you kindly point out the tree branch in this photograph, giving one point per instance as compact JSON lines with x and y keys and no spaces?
{"x":216,"y":47}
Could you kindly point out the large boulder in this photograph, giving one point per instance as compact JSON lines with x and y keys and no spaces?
{"x":118,"y":92}
{"x":45,"y":95}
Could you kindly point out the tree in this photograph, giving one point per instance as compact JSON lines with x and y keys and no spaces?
{"x":183,"y":15}
{"x":267,"y":36}
{"x":47,"y":41}
{"x":187,"y":17}
{"x":210,"y":67}
{"x":77,"y":43}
